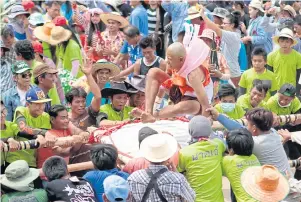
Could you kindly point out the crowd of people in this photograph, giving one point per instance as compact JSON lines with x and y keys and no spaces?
{"x":70,"y":68}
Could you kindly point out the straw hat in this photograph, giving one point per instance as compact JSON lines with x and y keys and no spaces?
{"x":104,"y":64}
{"x":257,"y":4}
{"x":193,"y":13}
{"x":59,"y":35}
{"x":288,"y":33}
{"x":43,"y":32}
{"x":265,"y":183}
{"x":114,"y":16}
{"x":208,"y":33}
{"x":290,"y":9}
{"x":159,"y":147}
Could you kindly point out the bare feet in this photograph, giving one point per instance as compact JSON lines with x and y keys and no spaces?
{"x":147,"y":118}
{"x":136,"y":112}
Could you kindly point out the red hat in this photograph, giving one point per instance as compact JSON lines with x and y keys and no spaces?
{"x":28,"y":4}
{"x":59,"y":21}
{"x":37,"y":46}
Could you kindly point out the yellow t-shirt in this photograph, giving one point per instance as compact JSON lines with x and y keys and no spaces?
{"x":285,"y":66}
{"x":244,"y":102}
{"x":273,"y":106}
{"x":114,"y":115}
{"x":237,"y":113}
{"x":267,"y":77}
{"x":233,"y":167}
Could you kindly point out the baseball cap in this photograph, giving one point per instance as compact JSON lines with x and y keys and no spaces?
{"x":116,"y":188}
{"x":37,"y":46}
{"x":43,"y":68}
{"x":60,"y":21}
{"x":20,"y":67}
{"x":36,"y":95}
{"x":288,"y":90}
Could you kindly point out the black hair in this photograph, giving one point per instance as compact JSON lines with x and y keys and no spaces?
{"x":298,"y":20}
{"x":25,"y":49}
{"x":145,"y":132}
{"x":50,"y":3}
{"x":73,"y":36}
{"x":285,"y":38}
{"x":131,"y":31}
{"x":54,"y":168}
{"x":7,"y":31}
{"x":260,"y":86}
{"x":55,"y":109}
{"x":147,"y":42}
{"x":226,"y":90}
{"x":75,"y":92}
{"x":104,"y":156}
{"x":240,"y":141}
{"x":36,"y":79}
{"x":101,"y":26}
{"x":261,"y":118}
{"x":240,"y":3}
{"x":181,"y":33}
{"x":259,"y":52}
{"x":234,"y":18}
{"x":2,"y":102}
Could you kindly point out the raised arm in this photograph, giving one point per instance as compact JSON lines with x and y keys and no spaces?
{"x":210,"y":24}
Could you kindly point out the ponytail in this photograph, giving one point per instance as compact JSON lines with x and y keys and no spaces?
{"x":234,"y":18}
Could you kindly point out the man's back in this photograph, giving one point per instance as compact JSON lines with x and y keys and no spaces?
{"x":173,"y":186}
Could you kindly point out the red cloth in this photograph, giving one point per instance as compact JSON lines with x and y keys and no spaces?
{"x":28,"y":4}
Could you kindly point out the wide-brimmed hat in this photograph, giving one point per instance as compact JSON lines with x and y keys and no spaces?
{"x":43,"y":32}
{"x":36,"y":19}
{"x":257,"y":4}
{"x":117,"y":88}
{"x":17,"y":10}
{"x":288,"y":33}
{"x":193,"y":13}
{"x":265,"y":183}
{"x":137,"y":82}
{"x":159,"y":147}
{"x":104,"y":64}
{"x":220,"y":12}
{"x":208,"y":33}
{"x":114,"y":16}
{"x":59,"y":35}
{"x":290,"y":9}
{"x":18,"y":176}
{"x":8,"y":4}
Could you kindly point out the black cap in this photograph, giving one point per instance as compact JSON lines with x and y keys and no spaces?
{"x":288,"y":90}
{"x":145,"y":132}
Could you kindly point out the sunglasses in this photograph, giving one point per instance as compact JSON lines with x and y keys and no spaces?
{"x":26,"y":75}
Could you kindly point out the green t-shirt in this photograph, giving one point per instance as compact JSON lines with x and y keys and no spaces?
{"x":285,"y":66}
{"x":54,"y":96}
{"x":42,"y":121}
{"x":233,"y":167}
{"x":72,"y":52}
{"x":267,"y":77}
{"x":201,"y":163}
{"x":244,"y":102}
{"x":39,"y":195}
{"x":237,"y":113}
{"x":273,"y":106}
{"x":114,"y":115}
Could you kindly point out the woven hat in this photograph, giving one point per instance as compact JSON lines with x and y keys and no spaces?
{"x":193,"y":13}
{"x":17,"y":10}
{"x":220,"y":12}
{"x":114,"y":16}
{"x":288,"y":33}
{"x":137,"y":82}
{"x":59,"y":35}
{"x":257,"y":4}
{"x":208,"y":33}
{"x":265,"y":183}
{"x":116,"y":88}
{"x":36,"y":18}
{"x":159,"y":147}
{"x":43,"y":32}
{"x":18,"y":176}
{"x":43,"y":68}
{"x":104,"y":64}
{"x":290,"y":9}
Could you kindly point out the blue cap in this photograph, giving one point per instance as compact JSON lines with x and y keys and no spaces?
{"x":36,"y":95}
{"x":116,"y":188}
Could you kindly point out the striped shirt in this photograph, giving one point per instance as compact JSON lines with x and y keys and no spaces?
{"x":152,"y":20}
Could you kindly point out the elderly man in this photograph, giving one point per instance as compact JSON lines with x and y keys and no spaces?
{"x":167,"y":184}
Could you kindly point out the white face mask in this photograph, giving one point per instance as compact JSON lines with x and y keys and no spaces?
{"x":228,"y":107}
{"x":289,"y":104}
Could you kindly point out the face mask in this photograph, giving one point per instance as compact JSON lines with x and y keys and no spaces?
{"x":285,"y":105}
{"x":228,"y":107}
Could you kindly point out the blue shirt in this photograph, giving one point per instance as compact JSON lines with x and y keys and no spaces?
{"x":67,"y":15}
{"x":138,"y":18}
{"x":134,"y":52}
{"x":103,"y":100}
{"x":96,"y":178}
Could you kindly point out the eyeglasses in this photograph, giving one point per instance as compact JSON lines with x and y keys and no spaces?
{"x":26,"y":75}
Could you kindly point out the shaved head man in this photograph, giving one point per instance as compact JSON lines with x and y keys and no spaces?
{"x":176,"y":54}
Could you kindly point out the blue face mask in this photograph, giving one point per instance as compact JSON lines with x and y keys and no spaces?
{"x":228,"y":107}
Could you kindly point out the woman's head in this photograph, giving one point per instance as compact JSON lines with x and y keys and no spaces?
{"x":259,"y":120}
{"x":232,"y":21}
{"x":254,"y":12}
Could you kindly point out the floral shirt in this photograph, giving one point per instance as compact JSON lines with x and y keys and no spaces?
{"x":114,"y":44}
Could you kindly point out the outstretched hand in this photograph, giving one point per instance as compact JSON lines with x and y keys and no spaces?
{"x":87,"y":67}
{"x":213,"y":112}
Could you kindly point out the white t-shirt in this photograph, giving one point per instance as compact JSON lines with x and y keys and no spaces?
{"x":22,"y":95}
